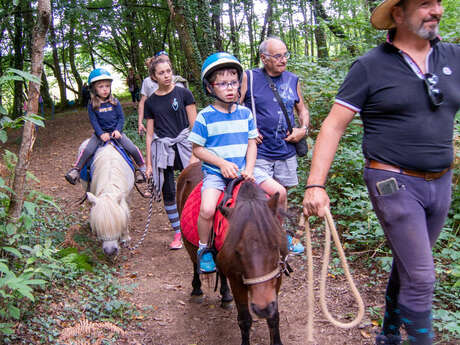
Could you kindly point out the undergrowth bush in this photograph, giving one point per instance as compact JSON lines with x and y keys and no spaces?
{"x":44,"y":287}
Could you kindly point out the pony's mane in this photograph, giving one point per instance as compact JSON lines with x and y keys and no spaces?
{"x":112,"y":182}
{"x":111,"y":173}
{"x":251,"y":208}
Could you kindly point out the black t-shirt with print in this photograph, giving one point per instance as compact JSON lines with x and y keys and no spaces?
{"x":168,"y":111}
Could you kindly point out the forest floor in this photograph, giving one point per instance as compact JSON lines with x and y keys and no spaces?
{"x":160,"y":279}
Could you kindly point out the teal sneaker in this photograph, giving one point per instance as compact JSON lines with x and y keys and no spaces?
{"x":206,"y":261}
{"x":294,"y":245}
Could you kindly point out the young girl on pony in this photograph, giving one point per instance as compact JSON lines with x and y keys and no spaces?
{"x":170,"y":113}
{"x":107,"y":119}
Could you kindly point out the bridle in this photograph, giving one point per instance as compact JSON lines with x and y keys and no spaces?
{"x":283,"y":267}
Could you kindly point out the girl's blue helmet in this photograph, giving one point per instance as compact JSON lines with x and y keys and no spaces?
{"x":99,"y":74}
{"x":217,"y":61}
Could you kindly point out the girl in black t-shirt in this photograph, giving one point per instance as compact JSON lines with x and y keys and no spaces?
{"x":170,"y":112}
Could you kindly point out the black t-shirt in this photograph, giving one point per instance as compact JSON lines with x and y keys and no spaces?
{"x":400,"y":125}
{"x":168,"y":112}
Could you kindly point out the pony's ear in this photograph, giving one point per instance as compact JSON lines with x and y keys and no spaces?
{"x":91,"y":197}
{"x":273,"y":203}
{"x":226,"y":211}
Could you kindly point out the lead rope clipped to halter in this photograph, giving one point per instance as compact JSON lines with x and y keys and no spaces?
{"x":153,"y":196}
{"x":330,"y":228}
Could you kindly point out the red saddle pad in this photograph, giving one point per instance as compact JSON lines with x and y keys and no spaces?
{"x":189,"y":217}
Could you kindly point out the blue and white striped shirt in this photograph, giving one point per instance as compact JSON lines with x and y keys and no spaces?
{"x":226,"y":135}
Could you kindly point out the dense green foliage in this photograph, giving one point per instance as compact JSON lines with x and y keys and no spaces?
{"x":37,"y":277}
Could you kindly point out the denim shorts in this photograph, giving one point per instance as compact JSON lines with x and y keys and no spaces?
{"x":283,"y":171}
{"x":214,"y":182}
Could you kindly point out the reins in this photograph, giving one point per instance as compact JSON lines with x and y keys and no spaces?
{"x":330,"y":228}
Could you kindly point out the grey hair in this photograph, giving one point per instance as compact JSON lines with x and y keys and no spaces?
{"x":263,"y":45}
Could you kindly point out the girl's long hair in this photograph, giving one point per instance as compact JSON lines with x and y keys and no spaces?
{"x":96,"y":101}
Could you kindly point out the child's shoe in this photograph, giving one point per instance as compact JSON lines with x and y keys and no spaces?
{"x":177,"y":242}
{"x":206,"y":261}
{"x":140,"y":175}
{"x":72,"y":176}
{"x":294,"y":245}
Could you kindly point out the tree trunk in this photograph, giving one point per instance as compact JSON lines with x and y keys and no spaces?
{"x":18,"y":61}
{"x":233,"y":31}
{"x":187,"y":42}
{"x":267,"y":27}
{"x":72,"y":52}
{"x":29,"y":133}
{"x":305,"y":26}
{"x":45,"y":90}
{"x":216,"y":8}
{"x":249,"y":11}
{"x":320,"y":12}
{"x":57,"y":68}
{"x":320,"y":38}
{"x":133,"y":44}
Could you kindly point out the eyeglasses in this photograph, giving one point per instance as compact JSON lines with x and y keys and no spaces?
{"x":161,"y":53}
{"x":278,"y":57}
{"x":224,"y":85}
{"x":435,"y":95}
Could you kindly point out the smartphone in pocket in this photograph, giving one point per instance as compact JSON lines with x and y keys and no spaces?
{"x":388,"y":186}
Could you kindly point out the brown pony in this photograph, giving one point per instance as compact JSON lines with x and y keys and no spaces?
{"x":252,"y":256}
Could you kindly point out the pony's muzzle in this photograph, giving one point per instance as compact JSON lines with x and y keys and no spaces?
{"x":110,"y":248}
{"x":264,"y":313}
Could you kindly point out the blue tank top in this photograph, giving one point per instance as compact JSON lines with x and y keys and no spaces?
{"x":270,"y":119}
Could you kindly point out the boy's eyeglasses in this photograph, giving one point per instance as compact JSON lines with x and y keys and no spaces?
{"x":161,"y":53}
{"x":224,"y":85}
{"x":278,"y":57}
{"x":435,"y":95}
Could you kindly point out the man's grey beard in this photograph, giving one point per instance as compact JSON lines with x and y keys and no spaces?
{"x":427,"y":34}
{"x":420,"y":31}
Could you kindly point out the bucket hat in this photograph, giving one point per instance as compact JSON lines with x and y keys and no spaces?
{"x":381,"y":17}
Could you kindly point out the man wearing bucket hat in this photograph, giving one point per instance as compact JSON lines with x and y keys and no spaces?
{"x":407,"y":92}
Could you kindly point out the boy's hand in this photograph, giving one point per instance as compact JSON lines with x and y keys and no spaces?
{"x":248,"y":176}
{"x":259,"y":138}
{"x":229,"y":169}
{"x":105,"y":137}
{"x":116,"y":134}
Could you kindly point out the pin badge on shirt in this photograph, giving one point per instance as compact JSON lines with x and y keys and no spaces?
{"x":446,"y":70}
{"x":175,"y":104}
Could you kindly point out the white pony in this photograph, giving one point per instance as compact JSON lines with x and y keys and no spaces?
{"x":111,"y":185}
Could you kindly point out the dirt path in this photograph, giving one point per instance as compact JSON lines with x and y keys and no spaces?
{"x":162,"y":278}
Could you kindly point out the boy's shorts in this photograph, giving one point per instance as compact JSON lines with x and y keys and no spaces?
{"x":283,"y":171}
{"x":214,"y":182}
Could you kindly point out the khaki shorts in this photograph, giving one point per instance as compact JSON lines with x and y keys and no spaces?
{"x":282,"y":171}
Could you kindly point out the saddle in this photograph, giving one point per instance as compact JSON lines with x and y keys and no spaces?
{"x":86,"y":172}
{"x":191,"y":211}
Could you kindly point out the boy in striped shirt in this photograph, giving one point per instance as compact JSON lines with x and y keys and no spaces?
{"x":224,"y":138}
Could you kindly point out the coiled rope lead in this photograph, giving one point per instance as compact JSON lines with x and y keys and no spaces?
{"x":330,"y":227}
